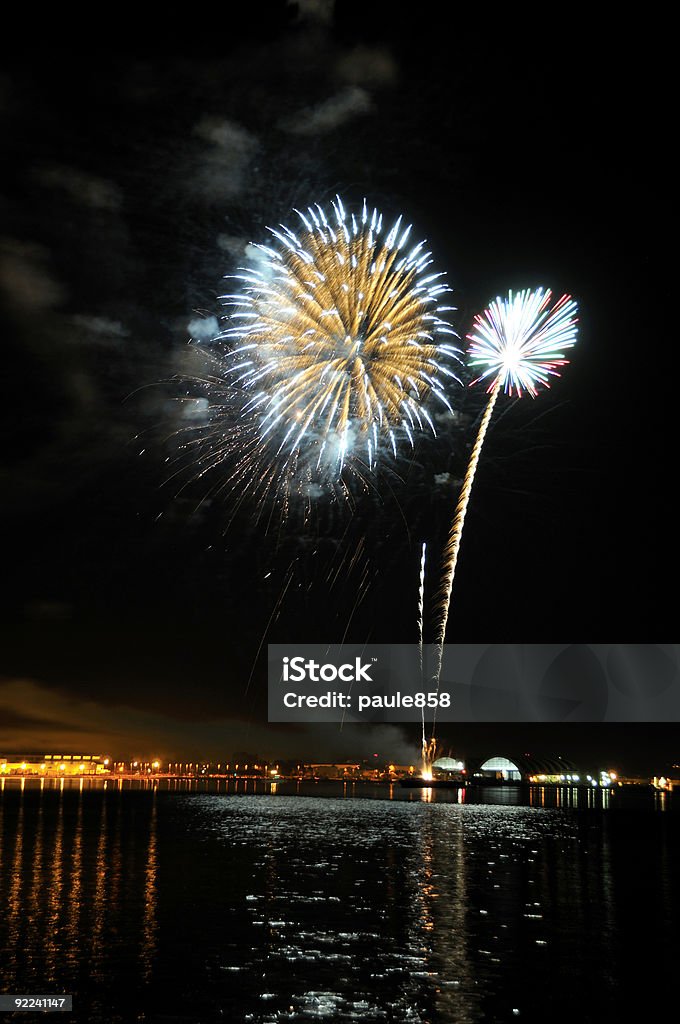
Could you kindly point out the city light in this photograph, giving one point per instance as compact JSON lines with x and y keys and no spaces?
{"x":370,"y":769}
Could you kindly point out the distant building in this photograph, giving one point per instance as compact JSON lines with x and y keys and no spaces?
{"x":341,"y":770}
{"x":51,"y":765}
{"x":449,"y":767}
{"x":526,"y":768}
{"x":502,"y":769}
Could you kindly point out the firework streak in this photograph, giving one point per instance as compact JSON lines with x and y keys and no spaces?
{"x":519,"y":341}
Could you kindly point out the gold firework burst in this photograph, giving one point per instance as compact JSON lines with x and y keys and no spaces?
{"x":338,"y":340}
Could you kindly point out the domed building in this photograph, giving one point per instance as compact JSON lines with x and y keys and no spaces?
{"x":525,"y":768}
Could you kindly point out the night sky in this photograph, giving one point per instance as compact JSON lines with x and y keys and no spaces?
{"x":136,"y":608}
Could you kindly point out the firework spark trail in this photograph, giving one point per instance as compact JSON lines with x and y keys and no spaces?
{"x":519,"y":341}
{"x":272,"y":618}
{"x":421,"y":604}
{"x":421,"y":614}
{"x":450,"y":556}
{"x":428,"y":748}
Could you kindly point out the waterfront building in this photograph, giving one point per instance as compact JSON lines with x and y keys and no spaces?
{"x":50,"y":765}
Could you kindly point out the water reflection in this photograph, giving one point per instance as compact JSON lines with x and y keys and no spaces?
{"x":38,"y":885}
{"x":440,"y":931}
{"x":73,"y":931}
{"x":67,"y":924}
{"x":431,"y":907}
{"x":150,"y":921}
{"x":572,"y":797}
{"x":53,"y":890}
{"x":100,"y":893}
{"x":14,"y":899}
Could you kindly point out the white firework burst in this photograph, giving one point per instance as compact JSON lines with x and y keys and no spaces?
{"x":520,"y":340}
{"x":338,"y":341}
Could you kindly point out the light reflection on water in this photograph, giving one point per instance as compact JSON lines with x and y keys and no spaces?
{"x":190,"y":905}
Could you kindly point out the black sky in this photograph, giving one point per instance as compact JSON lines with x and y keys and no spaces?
{"x":137,"y":168}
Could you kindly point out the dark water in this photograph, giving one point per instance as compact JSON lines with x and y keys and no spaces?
{"x":190,"y":905}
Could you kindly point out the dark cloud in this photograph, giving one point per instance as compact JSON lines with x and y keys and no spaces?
{"x":26,"y":279}
{"x":82,"y":188}
{"x":368,"y":66}
{"x":330,"y":113}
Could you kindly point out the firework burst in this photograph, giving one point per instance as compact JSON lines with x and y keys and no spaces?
{"x":337,"y":342}
{"x":519,"y":340}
